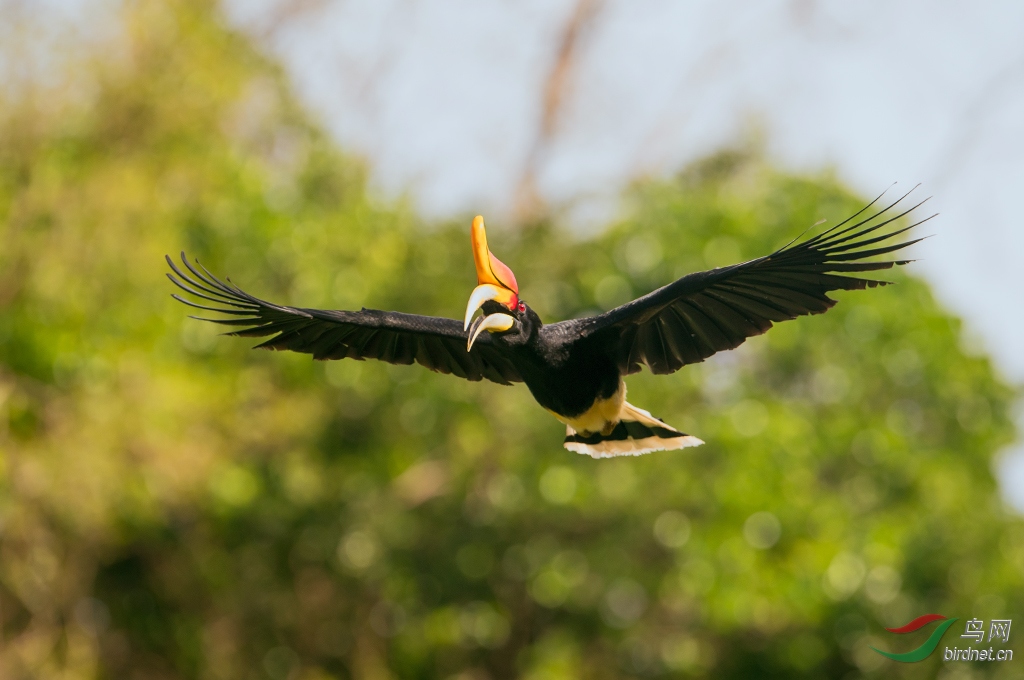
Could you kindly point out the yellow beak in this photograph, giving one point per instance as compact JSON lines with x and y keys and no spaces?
{"x":491,"y":322}
{"x":491,"y":272}
{"x":495,"y":282}
{"x":480,"y":295}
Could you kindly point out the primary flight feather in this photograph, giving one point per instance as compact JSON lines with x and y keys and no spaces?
{"x":574,"y":369}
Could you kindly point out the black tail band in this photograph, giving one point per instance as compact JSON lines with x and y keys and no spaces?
{"x":626,"y":430}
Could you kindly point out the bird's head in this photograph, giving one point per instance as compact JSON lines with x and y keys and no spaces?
{"x":497,"y":293}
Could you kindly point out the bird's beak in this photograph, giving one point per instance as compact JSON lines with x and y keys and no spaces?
{"x":492,"y":323}
{"x":495,"y":282}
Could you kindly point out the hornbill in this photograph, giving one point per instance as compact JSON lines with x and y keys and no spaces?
{"x":574,"y":368}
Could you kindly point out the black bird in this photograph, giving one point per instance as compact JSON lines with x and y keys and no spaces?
{"x":574,"y":369}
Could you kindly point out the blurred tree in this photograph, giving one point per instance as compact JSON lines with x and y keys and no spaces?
{"x":173,"y":505}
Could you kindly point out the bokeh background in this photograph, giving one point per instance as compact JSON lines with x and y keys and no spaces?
{"x":173,"y":505}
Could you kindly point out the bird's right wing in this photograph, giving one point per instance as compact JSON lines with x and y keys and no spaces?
{"x":434,"y":342}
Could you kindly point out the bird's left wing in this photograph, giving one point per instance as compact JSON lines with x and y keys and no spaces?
{"x":437,"y":343}
{"x":707,"y":312}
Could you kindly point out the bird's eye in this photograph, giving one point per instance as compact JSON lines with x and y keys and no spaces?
{"x":521,"y":307}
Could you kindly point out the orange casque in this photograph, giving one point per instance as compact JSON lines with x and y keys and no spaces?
{"x":491,"y":270}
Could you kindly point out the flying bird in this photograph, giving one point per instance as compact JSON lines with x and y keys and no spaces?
{"x":575,"y":368}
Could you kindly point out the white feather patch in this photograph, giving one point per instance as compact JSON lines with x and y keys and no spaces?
{"x":632,"y":447}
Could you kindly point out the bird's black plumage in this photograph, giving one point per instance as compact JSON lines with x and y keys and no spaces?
{"x":706,"y":312}
{"x":575,"y":367}
{"x":394,"y":337}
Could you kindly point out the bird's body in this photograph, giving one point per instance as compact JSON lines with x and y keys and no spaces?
{"x":583,"y":388}
{"x":563,"y":381}
{"x":575,"y":368}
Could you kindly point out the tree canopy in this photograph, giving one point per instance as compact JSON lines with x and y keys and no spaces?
{"x":174,"y":505}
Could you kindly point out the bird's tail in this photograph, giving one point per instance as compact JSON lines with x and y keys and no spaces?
{"x":636,"y":433}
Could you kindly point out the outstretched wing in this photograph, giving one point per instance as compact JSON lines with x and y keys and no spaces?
{"x":439,"y":344}
{"x":690,"y":319}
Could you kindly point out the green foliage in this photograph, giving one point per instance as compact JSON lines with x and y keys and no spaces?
{"x":173,"y":505}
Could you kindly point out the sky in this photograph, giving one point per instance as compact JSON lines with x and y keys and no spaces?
{"x":447,"y":103}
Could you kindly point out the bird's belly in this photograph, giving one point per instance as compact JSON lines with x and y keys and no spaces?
{"x":586,"y":390}
{"x":602,"y":415}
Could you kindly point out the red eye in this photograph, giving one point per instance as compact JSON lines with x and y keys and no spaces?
{"x":522,"y":306}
